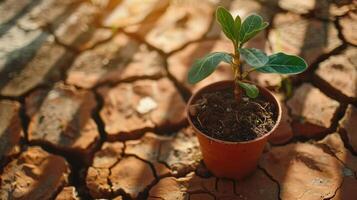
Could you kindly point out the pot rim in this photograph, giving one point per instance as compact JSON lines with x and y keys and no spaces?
{"x":229,"y":82}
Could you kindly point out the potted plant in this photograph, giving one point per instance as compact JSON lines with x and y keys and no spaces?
{"x":233,"y":119}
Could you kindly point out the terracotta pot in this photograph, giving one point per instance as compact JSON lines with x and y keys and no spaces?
{"x":231,"y":159}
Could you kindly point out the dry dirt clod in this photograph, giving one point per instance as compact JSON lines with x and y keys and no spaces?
{"x":62,"y":117}
{"x":303,"y":170}
{"x":68,"y":193}
{"x":124,"y":119}
{"x":312,"y":111}
{"x":348,"y":126}
{"x":35,"y":174}
{"x":10,"y":129}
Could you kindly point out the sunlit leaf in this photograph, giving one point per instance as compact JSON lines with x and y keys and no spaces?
{"x":283,"y":64}
{"x":251,"y":26}
{"x":226,"y":21}
{"x":237,"y":26}
{"x":204,"y":67}
{"x":250,"y":90}
{"x":254,"y":57}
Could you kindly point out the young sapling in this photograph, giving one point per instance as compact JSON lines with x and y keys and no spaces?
{"x":240,"y":33}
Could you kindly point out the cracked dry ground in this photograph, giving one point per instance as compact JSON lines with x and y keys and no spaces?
{"x":89,"y":111}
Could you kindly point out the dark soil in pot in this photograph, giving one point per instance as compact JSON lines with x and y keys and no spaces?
{"x":219,"y":115}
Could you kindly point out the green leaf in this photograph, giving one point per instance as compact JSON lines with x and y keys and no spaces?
{"x":226,"y":21}
{"x":250,"y":90}
{"x":251,"y":26}
{"x":255,"y":32}
{"x":254,"y":57}
{"x":237,"y":26}
{"x":284,"y":64}
{"x":204,"y":67}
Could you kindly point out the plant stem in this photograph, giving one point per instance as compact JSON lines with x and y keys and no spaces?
{"x":245,"y":74}
{"x":237,"y":73}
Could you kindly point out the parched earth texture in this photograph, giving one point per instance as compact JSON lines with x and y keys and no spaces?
{"x":92,"y":99}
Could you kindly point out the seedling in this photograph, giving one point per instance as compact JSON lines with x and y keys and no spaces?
{"x":240,"y":33}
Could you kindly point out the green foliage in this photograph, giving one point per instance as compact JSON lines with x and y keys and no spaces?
{"x":237,"y":24}
{"x":251,"y":26}
{"x":227,"y":23}
{"x":281,"y":63}
{"x":251,"y":90}
{"x":205,"y":66}
{"x":239,"y":33}
{"x":254,"y":57}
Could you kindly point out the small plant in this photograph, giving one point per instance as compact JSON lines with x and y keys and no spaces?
{"x":239,"y":33}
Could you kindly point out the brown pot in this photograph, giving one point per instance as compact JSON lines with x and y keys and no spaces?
{"x":231,"y":159}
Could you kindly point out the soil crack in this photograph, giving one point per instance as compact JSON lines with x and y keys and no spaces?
{"x":272,"y":179}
